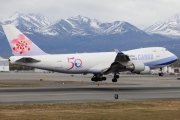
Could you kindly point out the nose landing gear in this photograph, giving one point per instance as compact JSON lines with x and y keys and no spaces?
{"x":161,"y":73}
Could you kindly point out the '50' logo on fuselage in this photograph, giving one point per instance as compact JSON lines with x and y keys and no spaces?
{"x":75,"y":63}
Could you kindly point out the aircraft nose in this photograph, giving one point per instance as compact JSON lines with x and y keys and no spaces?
{"x":174,"y":57}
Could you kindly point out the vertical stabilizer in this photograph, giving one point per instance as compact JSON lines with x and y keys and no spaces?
{"x":19,"y":43}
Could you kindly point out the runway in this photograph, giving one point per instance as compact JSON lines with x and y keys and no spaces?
{"x":62,"y":88}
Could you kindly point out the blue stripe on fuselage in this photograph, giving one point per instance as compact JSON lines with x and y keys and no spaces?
{"x":162,"y":62}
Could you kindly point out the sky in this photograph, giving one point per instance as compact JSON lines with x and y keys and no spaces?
{"x":141,"y":13}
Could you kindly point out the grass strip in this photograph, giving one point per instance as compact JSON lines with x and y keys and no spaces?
{"x":4,"y":84}
{"x":155,"y":110}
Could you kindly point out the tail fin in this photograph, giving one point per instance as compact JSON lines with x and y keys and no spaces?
{"x":19,"y":43}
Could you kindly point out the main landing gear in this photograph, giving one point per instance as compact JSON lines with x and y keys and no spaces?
{"x":161,"y":73}
{"x":98,"y":77}
{"x":115,"y":77}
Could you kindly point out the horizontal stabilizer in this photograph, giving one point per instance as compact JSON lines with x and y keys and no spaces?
{"x":28,"y":60}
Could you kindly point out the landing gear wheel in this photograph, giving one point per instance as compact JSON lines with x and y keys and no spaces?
{"x":114,"y":80}
{"x":161,"y":74}
{"x":115,"y":77}
{"x":98,"y":77}
{"x":104,"y":78}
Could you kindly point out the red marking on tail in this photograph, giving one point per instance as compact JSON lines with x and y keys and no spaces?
{"x":21,"y":44}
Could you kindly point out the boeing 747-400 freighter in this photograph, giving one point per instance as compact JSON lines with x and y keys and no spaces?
{"x":138,"y":61}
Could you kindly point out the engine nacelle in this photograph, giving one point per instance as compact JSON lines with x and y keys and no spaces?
{"x":147,"y":70}
{"x":136,"y":67}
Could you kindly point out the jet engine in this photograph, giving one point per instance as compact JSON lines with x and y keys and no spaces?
{"x":147,"y":70}
{"x":136,"y":67}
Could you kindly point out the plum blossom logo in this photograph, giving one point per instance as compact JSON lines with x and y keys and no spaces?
{"x":21,"y":44}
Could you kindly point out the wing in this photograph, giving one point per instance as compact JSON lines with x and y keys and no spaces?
{"x":117,"y":65}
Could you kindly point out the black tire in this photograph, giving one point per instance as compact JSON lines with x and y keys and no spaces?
{"x":93,"y":79}
{"x":114,"y":80}
{"x":161,"y":74}
{"x":104,"y":78}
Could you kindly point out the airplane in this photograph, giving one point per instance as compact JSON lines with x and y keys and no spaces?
{"x":139,"y":61}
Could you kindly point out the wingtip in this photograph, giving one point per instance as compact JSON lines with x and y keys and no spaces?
{"x":116,"y":50}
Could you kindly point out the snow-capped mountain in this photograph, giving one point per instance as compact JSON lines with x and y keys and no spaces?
{"x":27,"y":23}
{"x":170,"y":27}
{"x":73,"y":26}
{"x":80,"y":25}
{"x":82,"y":34}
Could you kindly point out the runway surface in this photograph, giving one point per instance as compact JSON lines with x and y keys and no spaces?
{"x":62,"y":88}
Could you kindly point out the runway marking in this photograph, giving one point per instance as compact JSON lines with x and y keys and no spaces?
{"x":50,"y":94}
{"x":119,"y":92}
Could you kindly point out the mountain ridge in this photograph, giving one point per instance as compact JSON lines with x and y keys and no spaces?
{"x":82,"y":34}
{"x":169,"y":27}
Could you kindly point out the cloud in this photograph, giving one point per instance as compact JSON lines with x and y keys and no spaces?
{"x":138,"y":12}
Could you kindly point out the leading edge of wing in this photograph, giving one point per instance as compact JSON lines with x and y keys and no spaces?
{"x":122,"y":57}
{"x":117,"y":65}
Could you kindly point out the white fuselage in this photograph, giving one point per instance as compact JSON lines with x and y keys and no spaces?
{"x":96,"y":62}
